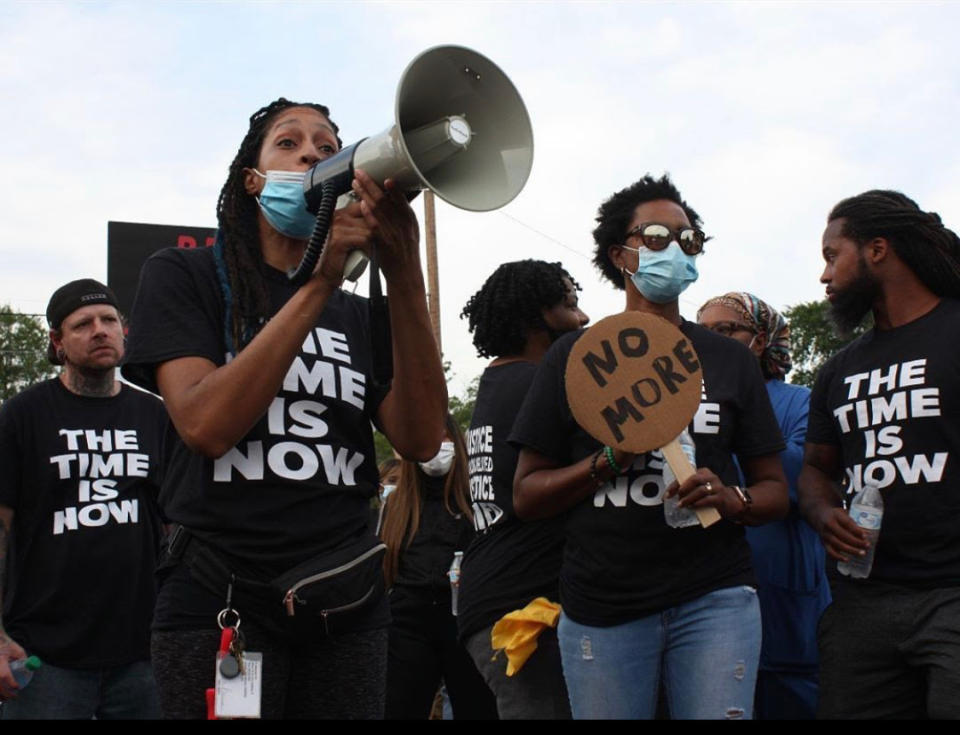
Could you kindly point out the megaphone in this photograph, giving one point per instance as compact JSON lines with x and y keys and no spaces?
{"x":460,"y":130}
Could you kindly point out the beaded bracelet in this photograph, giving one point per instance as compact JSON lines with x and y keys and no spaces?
{"x":593,"y":468}
{"x":608,"y":453}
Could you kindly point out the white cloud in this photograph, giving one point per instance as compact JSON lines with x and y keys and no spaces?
{"x":764,"y":113}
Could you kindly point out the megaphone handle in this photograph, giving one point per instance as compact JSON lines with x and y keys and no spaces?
{"x":682,"y":469}
{"x":355,"y":265}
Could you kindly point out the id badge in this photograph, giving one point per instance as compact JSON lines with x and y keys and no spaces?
{"x":239,"y":697}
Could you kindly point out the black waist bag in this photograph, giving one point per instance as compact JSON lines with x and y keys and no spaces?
{"x":333,"y":586}
{"x":324,"y":594}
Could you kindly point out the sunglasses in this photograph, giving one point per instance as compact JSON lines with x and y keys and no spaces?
{"x":727,"y":329}
{"x":656,"y":236}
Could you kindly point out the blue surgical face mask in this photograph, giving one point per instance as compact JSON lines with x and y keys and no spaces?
{"x":662,"y":275}
{"x":283,"y":205}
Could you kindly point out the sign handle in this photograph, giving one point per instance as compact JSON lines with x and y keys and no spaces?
{"x":682,"y":469}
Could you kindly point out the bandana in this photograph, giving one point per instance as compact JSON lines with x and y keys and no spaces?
{"x":775,"y":359}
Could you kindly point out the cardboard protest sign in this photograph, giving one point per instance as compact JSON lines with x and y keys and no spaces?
{"x":633,"y":383}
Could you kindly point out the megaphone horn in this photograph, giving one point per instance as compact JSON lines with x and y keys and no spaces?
{"x":460,"y":130}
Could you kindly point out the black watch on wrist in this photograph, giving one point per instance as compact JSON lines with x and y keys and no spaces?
{"x":744,"y":495}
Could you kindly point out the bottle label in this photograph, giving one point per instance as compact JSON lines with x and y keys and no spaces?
{"x":866,"y":517}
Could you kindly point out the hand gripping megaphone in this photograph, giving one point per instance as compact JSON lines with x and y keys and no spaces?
{"x":461,"y":130}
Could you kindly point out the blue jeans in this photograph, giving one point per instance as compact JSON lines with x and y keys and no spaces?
{"x":704,"y":651}
{"x":117,"y":693}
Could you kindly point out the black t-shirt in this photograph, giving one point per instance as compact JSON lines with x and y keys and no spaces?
{"x":81,"y":475}
{"x":886,"y":401}
{"x":510,"y":562}
{"x":425,"y":560}
{"x":621,"y":560}
{"x":300,"y":481}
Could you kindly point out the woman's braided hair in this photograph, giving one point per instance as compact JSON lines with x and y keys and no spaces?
{"x":918,"y":238}
{"x":242,"y":276}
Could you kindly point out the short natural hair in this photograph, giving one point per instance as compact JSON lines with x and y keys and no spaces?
{"x":511,"y":302}
{"x":614,"y":215}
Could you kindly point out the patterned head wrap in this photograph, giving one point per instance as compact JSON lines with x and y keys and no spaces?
{"x":775,"y":360}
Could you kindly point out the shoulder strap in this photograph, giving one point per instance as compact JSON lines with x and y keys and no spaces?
{"x":381,"y":342}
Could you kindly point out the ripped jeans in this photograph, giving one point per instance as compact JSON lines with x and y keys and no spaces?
{"x":705,"y":652}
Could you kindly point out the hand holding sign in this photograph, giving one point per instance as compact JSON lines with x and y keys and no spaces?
{"x":633,"y":382}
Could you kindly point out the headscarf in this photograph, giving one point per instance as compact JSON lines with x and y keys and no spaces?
{"x":775,"y":359}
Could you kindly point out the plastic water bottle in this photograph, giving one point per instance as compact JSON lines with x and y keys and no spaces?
{"x":867,"y":512}
{"x":675,"y":516}
{"x":23,"y":668}
{"x":454,"y":575}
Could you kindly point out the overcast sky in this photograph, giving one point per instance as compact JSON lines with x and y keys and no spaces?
{"x":765,"y":115}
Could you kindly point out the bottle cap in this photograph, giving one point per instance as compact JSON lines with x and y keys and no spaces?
{"x":32,"y":663}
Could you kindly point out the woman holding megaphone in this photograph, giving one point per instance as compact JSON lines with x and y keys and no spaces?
{"x":271,"y":391}
{"x":646,"y":605}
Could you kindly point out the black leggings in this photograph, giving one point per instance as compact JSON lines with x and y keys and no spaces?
{"x":341,"y":677}
{"x":424,"y":650}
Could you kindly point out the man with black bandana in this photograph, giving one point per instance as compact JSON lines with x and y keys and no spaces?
{"x":79,"y":526}
{"x":879,"y":413}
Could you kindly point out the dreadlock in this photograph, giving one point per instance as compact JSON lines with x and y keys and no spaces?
{"x":614,"y":215}
{"x":511,"y":302}
{"x":918,"y":238}
{"x":238,"y":249}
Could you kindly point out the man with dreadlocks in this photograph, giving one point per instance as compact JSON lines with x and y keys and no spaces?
{"x":880,"y":413}
{"x":517,"y":314}
{"x":271,"y":392}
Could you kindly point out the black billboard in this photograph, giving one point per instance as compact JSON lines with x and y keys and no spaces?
{"x":129,"y":244}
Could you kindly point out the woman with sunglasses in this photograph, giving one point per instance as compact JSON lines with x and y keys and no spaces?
{"x":788,"y":557}
{"x":646,"y":605}
{"x":271,"y":465}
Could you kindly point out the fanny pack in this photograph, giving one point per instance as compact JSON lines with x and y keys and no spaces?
{"x":332,"y":588}
{"x":334,"y":583}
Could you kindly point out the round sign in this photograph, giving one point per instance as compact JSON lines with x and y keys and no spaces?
{"x":633,"y":381}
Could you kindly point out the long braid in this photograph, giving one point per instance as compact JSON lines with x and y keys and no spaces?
{"x":920,"y":240}
{"x":244,"y":288}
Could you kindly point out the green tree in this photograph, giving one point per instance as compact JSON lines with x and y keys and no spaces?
{"x":461,"y":407}
{"x":23,"y":352}
{"x":814,"y":339}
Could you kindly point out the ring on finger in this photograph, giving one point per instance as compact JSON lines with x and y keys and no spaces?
{"x":709,"y":488}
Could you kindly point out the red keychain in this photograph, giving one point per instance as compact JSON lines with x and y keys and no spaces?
{"x":226,"y":638}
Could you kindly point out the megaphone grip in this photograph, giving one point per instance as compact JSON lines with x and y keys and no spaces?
{"x":321,"y":229}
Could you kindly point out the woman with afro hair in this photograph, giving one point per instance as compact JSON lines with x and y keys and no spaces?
{"x":646,"y":606}
{"x":518,"y":313}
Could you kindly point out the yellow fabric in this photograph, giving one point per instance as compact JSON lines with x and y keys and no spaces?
{"x":517,"y":631}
